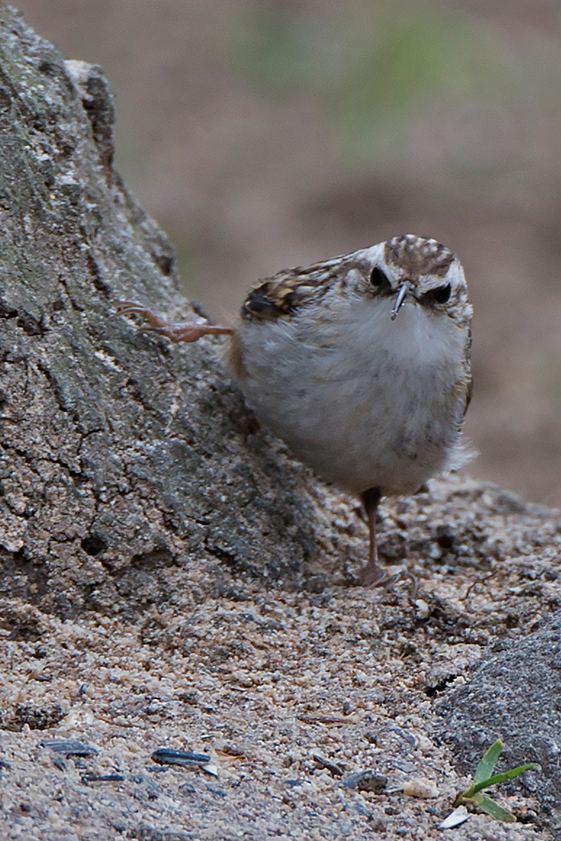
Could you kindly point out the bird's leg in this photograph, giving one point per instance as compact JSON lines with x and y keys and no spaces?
{"x":372,"y":573}
{"x":191,"y":331}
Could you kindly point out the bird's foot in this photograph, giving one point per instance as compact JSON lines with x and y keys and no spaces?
{"x":191,"y":331}
{"x":373,"y":575}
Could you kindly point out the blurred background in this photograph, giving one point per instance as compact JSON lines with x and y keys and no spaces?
{"x":263,"y":134}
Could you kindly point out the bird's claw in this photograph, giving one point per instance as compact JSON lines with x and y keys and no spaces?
{"x":375,"y":576}
{"x":191,"y":331}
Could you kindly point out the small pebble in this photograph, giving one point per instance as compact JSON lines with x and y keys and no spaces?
{"x":70,"y":748}
{"x":420,"y":788}
{"x":455,"y":818}
{"x":334,"y":769}
{"x":367,"y":781}
{"x":423,"y":610}
{"x":166,"y":756}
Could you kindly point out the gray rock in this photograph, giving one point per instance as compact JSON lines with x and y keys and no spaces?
{"x":129,"y":466}
{"x":513,"y":694}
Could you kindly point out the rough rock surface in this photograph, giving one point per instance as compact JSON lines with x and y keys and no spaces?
{"x":171,"y":578}
{"x":514,"y":694}
{"x":126,"y":464}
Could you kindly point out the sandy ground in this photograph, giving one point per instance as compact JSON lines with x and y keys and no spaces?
{"x":288,"y":693}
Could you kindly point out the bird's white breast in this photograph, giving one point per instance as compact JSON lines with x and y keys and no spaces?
{"x":364,"y":400}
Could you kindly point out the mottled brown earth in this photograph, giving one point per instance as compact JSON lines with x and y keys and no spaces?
{"x":288,"y":693}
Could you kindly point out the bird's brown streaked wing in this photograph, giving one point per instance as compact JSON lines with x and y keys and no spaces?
{"x":282,"y":295}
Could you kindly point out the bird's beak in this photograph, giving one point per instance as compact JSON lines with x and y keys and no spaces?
{"x":404,"y":291}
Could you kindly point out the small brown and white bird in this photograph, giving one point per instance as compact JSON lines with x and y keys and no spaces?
{"x":361,"y":364}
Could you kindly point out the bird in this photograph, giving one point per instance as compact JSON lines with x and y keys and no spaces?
{"x":360,"y":363}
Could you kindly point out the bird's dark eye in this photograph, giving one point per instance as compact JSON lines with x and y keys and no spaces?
{"x":441,"y":294}
{"x":377,"y":277}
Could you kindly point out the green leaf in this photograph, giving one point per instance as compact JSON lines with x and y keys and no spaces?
{"x":493,"y":809}
{"x":500,"y":778}
{"x":484,"y":777}
{"x":487,"y":764}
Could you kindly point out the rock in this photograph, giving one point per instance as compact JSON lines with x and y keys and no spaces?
{"x":367,"y":781}
{"x":513,"y":694}
{"x":130,"y":468}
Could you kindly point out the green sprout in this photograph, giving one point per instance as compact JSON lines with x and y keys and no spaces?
{"x":484,"y":777}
